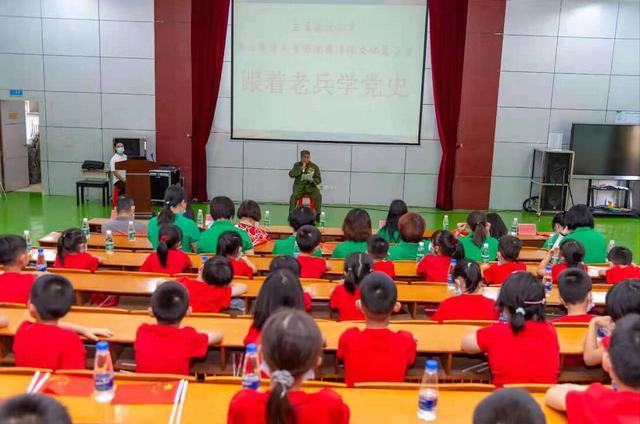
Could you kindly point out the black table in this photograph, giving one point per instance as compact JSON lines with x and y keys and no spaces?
{"x":92,"y":183}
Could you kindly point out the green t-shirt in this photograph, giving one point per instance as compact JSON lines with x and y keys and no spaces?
{"x":190,"y":231}
{"x":284,"y":247}
{"x":391,"y":238}
{"x":472,"y":252}
{"x":348,"y":247}
{"x":594,"y":243}
{"x":404,"y":251}
{"x":548,"y":244}
{"x":209,"y":239}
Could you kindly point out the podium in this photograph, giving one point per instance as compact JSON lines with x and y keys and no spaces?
{"x":138,"y":184}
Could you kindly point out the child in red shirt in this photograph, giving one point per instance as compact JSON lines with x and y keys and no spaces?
{"x":230,"y":246}
{"x":571,"y":254}
{"x":621,"y":266}
{"x":376,"y":353}
{"x":471,"y":304}
{"x":168,"y":258}
{"x":445,"y":246}
{"x":344,"y":296}
{"x":290,"y":263}
{"x":308,"y":239}
{"x":15,"y":285}
{"x":574,"y":286}
{"x":508,"y":251}
{"x":166,"y":347}
{"x":596,"y":403}
{"x":213,"y":290}
{"x":525,"y":349}
{"x":291,"y":350}
{"x":378,"y":248}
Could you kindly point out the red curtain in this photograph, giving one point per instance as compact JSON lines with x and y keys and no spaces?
{"x":208,"y":34}
{"x":448,"y":22}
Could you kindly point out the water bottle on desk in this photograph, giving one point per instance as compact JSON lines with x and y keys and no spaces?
{"x":251,"y":368}
{"x":428,"y":397}
{"x":296,"y":249}
{"x":445,"y":222}
{"x":484,"y":253}
{"x":267,"y":219}
{"x":547,"y":280}
{"x":131,"y":231}
{"x":323,"y":219}
{"x":103,"y":373}
{"x":41,"y":262}
{"x":108,"y":243}
{"x":611,"y":245}
{"x":27,"y":238}
{"x":200,"y":219}
{"x":514,"y":227}
{"x":451,"y":283}
{"x":85,"y":227}
{"x":420,"y":252}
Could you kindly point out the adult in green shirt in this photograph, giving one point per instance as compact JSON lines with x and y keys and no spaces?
{"x":411,"y":228}
{"x":299,"y":217}
{"x":558,"y":227}
{"x":306,"y":178}
{"x":580,"y":223}
{"x":479,"y":230}
{"x":389,"y":231}
{"x":222,"y":210}
{"x":356,"y":228}
{"x":173,"y":213}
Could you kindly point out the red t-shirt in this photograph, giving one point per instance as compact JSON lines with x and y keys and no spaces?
{"x":531,"y":356}
{"x":177,"y":262}
{"x":206,"y":298}
{"x":168,"y":350}
{"x":497,"y":273}
{"x":306,"y":298}
{"x":323,"y":407}
{"x":312,"y":267}
{"x":376,"y":354}
{"x":467,"y":306}
{"x":617,"y":273}
{"x":385,"y":266}
{"x":345,"y":303}
{"x":82,"y":260}
{"x":558,"y":268}
{"x":48,"y":346}
{"x":15,"y":287}
{"x":600,"y":404}
{"x":253,"y":336}
{"x":434,"y":268}
{"x":574,"y":318}
{"x":241,"y":269}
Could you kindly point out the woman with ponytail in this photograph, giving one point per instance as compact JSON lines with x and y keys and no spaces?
{"x":291,"y":350}
{"x":523,"y":347}
{"x":344,"y":296}
{"x":168,"y":258}
{"x":175,"y":205}
{"x":479,"y":234}
{"x":445,"y":246}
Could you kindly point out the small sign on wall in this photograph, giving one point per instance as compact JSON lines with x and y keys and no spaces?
{"x":624,"y":117}
{"x":15,"y":92}
{"x":13,"y":116}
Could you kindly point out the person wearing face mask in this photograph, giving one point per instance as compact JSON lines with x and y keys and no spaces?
{"x":173,"y":213}
{"x":119,"y":177}
{"x":124,"y":214}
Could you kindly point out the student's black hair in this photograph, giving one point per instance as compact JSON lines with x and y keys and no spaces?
{"x":33,"y":409}
{"x":356,"y":266}
{"x":300,"y":216}
{"x":11,"y":247}
{"x":169,"y":303}
{"x":509,"y":247}
{"x":578,"y":216}
{"x":620,"y":255}
{"x":52,"y":296}
{"x":411,"y":227}
{"x":508,"y":406}
{"x":573,"y":253}
{"x":448,"y":244}
{"x":574,"y":284}
{"x":169,"y":237}
{"x":624,"y":350}
{"x":397,"y":208}
{"x":249,"y":209}
{"x":217,"y":271}
{"x":228,"y":244}
{"x":557,"y":219}
{"x":377,"y":247}
{"x":378,"y":294}
{"x":291,"y":343}
{"x":477,"y":222}
{"x":188,"y":211}
{"x":357,"y":225}
{"x":124,"y":203}
{"x":173,"y":196}
{"x":69,"y":242}
{"x":498,"y":227}
{"x":221,"y":207}
{"x":308,"y":238}
{"x":623,"y":299}
{"x":281,"y":289}
{"x":470,"y":272}
{"x":285,"y":262}
{"x":523,"y":296}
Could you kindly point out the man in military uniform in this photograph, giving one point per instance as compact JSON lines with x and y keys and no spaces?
{"x":306,"y":175}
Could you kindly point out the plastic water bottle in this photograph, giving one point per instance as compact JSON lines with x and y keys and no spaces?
{"x":547,"y":280}
{"x":85,"y":227}
{"x":420,"y":252}
{"x":27,"y":238}
{"x":428,"y":397}
{"x":131,"y":231}
{"x":200,"y":218}
{"x":251,"y":368}
{"x":451,"y":283}
{"x":108,"y":243}
{"x":445,"y":222}
{"x":611,"y":245}
{"x":204,"y":258}
{"x":296,"y":249}
{"x":41,"y":262}
{"x":267,"y":219}
{"x":484,"y":253}
{"x":103,"y":373}
{"x":514,"y":227}
{"x":323,"y":219}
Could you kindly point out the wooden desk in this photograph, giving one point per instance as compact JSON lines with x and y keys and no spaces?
{"x":96,"y":241}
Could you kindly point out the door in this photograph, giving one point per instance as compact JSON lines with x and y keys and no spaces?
{"x":13,"y":134}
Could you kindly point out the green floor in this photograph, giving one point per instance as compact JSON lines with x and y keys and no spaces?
{"x":41,"y":214}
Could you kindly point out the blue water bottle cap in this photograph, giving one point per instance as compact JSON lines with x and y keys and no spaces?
{"x":547,"y":268}
{"x":40,"y":250}
{"x":431,"y":365}
{"x":102,"y":345}
{"x":252,"y":348}
{"x":204,"y":258}
{"x":454,"y":261}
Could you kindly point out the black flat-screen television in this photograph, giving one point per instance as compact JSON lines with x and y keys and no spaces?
{"x":606,"y":150}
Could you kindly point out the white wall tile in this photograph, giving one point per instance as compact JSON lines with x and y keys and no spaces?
{"x":588,"y":18}
{"x":109,"y":134}
{"x":269,"y":155}
{"x":329,"y":157}
{"x":508,"y":193}
{"x":224,"y":182}
{"x":225,"y":80}
{"x":378,"y":159}
{"x":584,"y":55}
{"x":429,"y":125}
{"x":70,"y":37}
{"x":629,"y":19}
{"x":222,"y":117}
{"x":375,"y":189}
{"x":128,"y":111}
{"x":81,"y":110}
{"x":420,"y":190}
{"x":266,"y":185}
{"x":127,"y":10}
{"x":528,"y":53}
{"x":20,"y":35}
{"x":562,"y":120}
{"x":427,"y":92}
{"x":522,"y":125}
{"x":532,"y":17}
{"x":127,"y":39}
{"x":624,"y":93}
{"x":70,"y":9}
{"x":522,"y":89}
{"x":626,"y":57}
{"x":572,"y":91}
{"x":23,"y":71}
{"x":74,"y":144}
{"x":513,"y":159}
{"x":63,"y":177}
{"x":227,"y":46}
{"x":67,"y":73}
{"x":20,"y":8}
{"x":424,"y":159}
{"x":337,"y":191}
{"x":128,"y":76}
{"x":224,"y":152}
